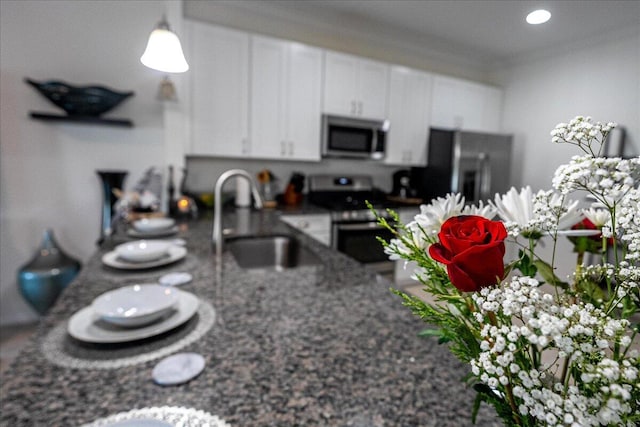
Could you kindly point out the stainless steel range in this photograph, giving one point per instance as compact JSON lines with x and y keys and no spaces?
{"x":354,"y":229}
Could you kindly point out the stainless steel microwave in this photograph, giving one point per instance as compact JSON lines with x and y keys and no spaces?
{"x":355,"y":138}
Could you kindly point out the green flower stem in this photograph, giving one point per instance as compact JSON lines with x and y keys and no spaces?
{"x":512,"y":403}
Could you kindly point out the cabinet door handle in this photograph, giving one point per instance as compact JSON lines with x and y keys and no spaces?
{"x":353,"y":107}
{"x":283,"y":148}
{"x":359,"y":108}
{"x":245,"y":146}
{"x":290,"y":148}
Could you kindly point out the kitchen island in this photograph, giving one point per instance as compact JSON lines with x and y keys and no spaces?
{"x":316,"y":345}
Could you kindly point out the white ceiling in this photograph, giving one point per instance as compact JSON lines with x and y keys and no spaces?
{"x":492,"y":29}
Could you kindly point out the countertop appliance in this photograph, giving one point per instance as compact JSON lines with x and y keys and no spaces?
{"x":402,"y":184}
{"x":354,"y":138}
{"x":476,"y":164}
{"x":354,"y":228}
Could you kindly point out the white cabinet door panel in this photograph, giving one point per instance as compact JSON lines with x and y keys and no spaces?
{"x":286,"y":81}
{"x":355,"y":87}
{"x":461,"y":104}
{"x":373,"y":81}
{"x":304,"y":102}
{"x":219,"y":91}
{"x":409,"y":115}
{"x":268,"y":82}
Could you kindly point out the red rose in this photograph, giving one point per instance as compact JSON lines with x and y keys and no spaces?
{"x":472,"y":248}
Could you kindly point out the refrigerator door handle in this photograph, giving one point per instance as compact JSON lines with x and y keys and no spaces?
{"x":483,"y":184}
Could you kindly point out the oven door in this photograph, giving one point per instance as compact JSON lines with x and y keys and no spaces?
{"x":359,"y":241}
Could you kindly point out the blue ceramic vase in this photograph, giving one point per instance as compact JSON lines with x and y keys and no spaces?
{"x":43,"y":278}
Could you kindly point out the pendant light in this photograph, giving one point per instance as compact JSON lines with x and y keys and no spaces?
{"x":164,"y":52}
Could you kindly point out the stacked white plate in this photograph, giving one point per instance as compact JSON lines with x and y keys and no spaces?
{"x":131,"y":313}
{"x":136,"y":305}
{"x":140,"y":254}
{"x":153,"y":227}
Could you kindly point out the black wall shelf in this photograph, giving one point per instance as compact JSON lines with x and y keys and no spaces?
{"x":81,"y":119}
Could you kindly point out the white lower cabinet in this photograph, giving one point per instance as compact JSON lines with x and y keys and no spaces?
{"x":317,"y":226}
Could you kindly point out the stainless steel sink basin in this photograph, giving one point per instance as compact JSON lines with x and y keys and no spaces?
{"x":270,"y":252}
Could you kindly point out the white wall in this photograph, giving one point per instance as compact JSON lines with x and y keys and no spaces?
{"x":599,"y":78}
{"x":47,"y":170}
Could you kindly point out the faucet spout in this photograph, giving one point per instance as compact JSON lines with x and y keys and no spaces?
{"x":216,"y":234}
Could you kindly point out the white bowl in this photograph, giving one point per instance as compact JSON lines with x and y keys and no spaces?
{"x":148,"y":225}
{"x":143,"y":250}
{"x":135,"y":305}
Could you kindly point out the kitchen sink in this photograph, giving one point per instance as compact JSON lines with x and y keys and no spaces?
{"x":277,"y":252}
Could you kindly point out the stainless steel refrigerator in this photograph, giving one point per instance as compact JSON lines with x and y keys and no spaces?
{"x":476,"y":164}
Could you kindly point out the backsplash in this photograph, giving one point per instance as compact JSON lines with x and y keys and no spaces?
{"x":202,"y":172}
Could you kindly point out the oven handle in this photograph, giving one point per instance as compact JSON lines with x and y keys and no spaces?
{"x":358,"y":226}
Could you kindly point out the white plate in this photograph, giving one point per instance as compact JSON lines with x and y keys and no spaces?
{"x":112,"y":259}
{"x":147,"y":225}
{"x":85,"y":325}
{"x":135,"y":305}
{"x":142,"y":250}
{"x":149,"y":234}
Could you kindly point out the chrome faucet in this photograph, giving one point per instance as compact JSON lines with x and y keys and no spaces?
{"x":216,"y":234}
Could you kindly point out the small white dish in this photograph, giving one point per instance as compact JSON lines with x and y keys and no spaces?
{"x":147,"y":225}
{"x":175,"y":279}
{"x":85,"y":325}
{"x":151,"y":234}
{"x":143,"y":250}
{"x":135,"y":305}
{"x":178,"y":369}
{"x":112,"y":259}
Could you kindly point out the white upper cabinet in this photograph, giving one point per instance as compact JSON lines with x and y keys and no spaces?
{"x":219,"y":90}
{"x":286,"y":88}
{"x":461,"y":104}
{"x":355,"y":86}
{"x":409,"y":116}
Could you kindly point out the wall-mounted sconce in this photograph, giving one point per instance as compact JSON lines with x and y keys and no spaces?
{"x":164,"y":53}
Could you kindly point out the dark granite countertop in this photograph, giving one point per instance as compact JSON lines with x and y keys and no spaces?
{"x":324,"y":345}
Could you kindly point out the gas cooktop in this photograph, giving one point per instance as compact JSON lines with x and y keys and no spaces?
{"x":346,"y":196}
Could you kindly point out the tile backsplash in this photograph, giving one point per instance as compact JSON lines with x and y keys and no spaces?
{"x":202,"y":172}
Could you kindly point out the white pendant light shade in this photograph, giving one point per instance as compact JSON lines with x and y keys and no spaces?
{"x":164,"y":52}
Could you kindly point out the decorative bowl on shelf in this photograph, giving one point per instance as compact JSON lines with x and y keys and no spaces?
{"x":81,"y":101}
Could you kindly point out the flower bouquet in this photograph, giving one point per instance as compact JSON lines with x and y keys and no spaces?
{"x":542,"y":350}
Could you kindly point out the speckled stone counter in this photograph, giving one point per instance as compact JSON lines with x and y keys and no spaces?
{"x":324,"y":345}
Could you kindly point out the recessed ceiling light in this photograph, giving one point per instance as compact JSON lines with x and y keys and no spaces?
{"x":539,"y":16}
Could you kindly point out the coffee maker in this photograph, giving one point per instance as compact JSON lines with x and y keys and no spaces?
{"x":402,"y":184}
